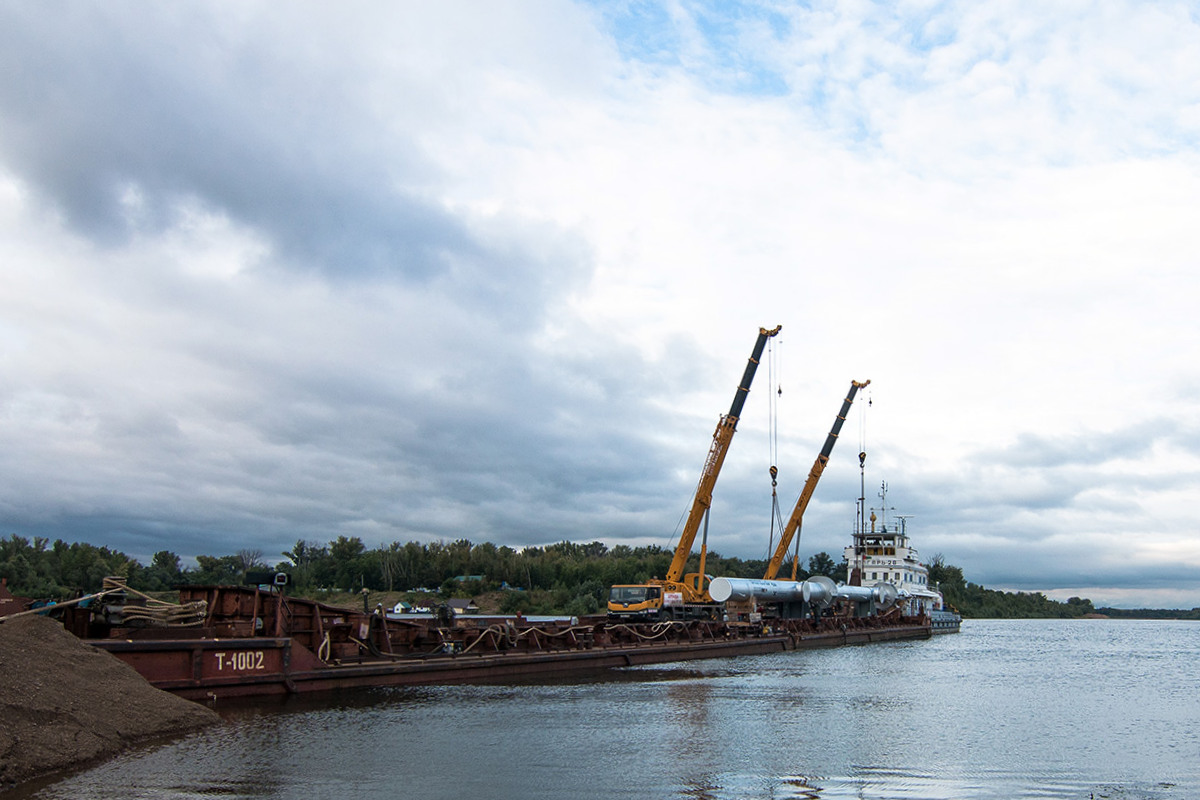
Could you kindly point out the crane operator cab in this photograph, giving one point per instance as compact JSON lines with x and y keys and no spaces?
{"x":635,"y":602}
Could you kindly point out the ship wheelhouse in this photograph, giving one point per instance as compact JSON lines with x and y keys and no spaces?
{"x":885,"y":554}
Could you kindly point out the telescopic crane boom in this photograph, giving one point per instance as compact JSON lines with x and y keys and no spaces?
{"x":814,"y":475}
{"x":722,"y":437}
{"x":679,"y":594}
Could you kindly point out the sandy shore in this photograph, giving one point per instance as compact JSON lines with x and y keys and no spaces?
{"x":64,"y":704}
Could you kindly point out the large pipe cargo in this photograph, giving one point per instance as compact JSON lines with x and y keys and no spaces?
{"x":860,"y":594}
{"x":738,"y":589}
{"x":820,"y":591}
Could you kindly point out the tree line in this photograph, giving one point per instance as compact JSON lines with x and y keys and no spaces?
{"x":566,"y":577}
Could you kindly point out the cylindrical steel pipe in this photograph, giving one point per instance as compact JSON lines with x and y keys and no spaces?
{"x":817,"y":591}
{"x":859,"y":594}
{"x":884,"y":594}
{"x":820,"y":591}
{"x":722,"y":589}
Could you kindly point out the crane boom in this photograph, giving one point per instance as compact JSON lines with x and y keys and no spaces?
{"x":679,"y":595}
{"x":722,"y":437}
{"x":814,"y":475}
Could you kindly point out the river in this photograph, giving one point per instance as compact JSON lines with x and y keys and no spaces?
{"x":1004,"y":709}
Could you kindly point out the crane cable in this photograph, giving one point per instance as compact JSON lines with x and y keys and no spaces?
{"x":862,"y":424}
{"x":773,"y":381}
{"x":773,"y":402}
{"x":860,"y":524}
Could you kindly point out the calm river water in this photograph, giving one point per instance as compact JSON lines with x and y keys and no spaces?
{"x":1005,"y":709}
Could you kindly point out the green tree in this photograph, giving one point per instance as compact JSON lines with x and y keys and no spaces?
{"x":346,"y":556}
{"x":165,"y":571}
{"x":215,"y":570}
{"x":300,"y":563}
{"x":823,"y":564}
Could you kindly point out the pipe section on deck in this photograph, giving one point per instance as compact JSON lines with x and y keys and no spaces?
{"x":818,"y":591}
{"x":723,"y":589}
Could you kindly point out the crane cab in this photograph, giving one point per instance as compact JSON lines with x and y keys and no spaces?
{"x":635,"y":602}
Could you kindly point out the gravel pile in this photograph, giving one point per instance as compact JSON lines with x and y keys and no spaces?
{"x":63,"y":703}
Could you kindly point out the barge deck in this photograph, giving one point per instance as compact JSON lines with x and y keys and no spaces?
{"x":254,"y":642}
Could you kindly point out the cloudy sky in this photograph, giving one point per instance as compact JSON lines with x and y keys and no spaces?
{"x":430,"y":271}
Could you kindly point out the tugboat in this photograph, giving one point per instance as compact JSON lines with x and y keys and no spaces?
{"x":886,"y":555}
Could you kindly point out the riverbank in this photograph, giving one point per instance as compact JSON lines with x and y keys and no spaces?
{"x":64,"y":704}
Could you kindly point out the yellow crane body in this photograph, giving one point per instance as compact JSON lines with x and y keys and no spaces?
{"x":687,"y":595}
{"x":814,"y":475}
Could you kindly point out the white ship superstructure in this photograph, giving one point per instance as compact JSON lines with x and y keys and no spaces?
{"x":883,"y":554}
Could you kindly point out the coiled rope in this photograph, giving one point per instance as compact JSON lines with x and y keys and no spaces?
{"x":155,"y":611}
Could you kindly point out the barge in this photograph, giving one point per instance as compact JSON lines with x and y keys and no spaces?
{"x":255,"y":641}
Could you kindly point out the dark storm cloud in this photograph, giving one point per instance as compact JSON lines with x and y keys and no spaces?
{"x":453,"y":420}
{"x":117,"y":119}
{"x":260,"y":441}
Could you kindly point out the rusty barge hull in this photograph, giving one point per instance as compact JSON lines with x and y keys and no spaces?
{"x":204,"y":669}
{"x":256,"y":643}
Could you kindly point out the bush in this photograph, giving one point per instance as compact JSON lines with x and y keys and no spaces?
{"x":513,"y":602}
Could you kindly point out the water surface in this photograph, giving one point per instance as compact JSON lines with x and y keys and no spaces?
{"x":1005,"y":709}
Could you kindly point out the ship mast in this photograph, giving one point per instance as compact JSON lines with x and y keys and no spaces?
{"x":882,"y":505}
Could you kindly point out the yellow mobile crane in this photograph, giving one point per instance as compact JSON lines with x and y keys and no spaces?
{"x":680,"y":595}
{"x":814,"y":475}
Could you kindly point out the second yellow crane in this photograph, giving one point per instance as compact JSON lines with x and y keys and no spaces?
{"x":814,"y":475}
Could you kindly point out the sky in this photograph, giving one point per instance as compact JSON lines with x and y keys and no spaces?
{"x":492,"y":271}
